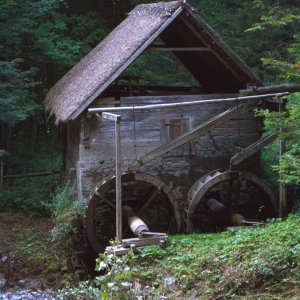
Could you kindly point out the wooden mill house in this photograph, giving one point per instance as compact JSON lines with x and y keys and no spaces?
{"x":165,"y":149}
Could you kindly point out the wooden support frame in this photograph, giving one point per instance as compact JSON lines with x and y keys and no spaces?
{"x":194,"y":133}
{"x":163,"y":48}
{"x":291,"y":88}
{"x":1,"y":175}
{"x":282,"y":188}
{"x":253,"y":148}
{"x":136,"y":243}
{"x":117,"y":120}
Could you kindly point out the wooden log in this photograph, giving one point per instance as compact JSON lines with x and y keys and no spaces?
{"x":253,"y":148}
{"x":145,"y":241}
{"x":177,"y":104}
{"x":282,"y":188}
{"x":194,"y":133}
{"x":118,"y":181}
{"x":1,"y":175}
{"x":291,"y":88}
{"x":178,"y":49}
{"x":135,"y":223}
{"x":47,"y":173}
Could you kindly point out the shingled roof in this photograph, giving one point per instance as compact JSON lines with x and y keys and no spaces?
{"x":178,"y":25}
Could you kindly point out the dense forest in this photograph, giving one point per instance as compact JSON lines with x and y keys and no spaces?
{"x":40,"y":41}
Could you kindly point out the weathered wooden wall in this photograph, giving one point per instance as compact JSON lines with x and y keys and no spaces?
{"x":144,"y":131}
{"x":72,"y":148}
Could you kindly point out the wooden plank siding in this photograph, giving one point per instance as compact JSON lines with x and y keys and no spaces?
{"x":72,"y":150}
{"x":144,"y":131}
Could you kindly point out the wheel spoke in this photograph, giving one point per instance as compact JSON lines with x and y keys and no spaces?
{"x":107,"y":201}
{"x":148,"y":199}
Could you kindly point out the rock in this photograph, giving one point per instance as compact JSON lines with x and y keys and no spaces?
{"x":194,"y":295}
{"x":169,"y":281}
{"x":29,"y":283}
{"x":28,"y":295}
{"x":4,"y":258}
{"x":2,"y":281}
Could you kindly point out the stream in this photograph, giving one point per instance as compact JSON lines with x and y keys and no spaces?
{"x":26,"y":289}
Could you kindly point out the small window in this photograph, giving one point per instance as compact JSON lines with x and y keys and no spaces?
{"x":173,"y":128}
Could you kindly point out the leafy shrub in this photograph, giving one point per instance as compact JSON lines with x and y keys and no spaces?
{"x":68,"y":212}
{"x":114,"y":282}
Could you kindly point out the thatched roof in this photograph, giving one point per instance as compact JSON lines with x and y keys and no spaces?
{"x":178,"y":25}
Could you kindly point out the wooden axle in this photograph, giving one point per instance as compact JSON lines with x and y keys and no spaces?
{"x":136,"y":224}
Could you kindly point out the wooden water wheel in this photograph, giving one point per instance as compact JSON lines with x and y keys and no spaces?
{"x":247,"y":190}
{"x":149,"y":198}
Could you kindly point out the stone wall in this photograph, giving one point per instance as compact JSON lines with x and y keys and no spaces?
{"x":142,"y":132}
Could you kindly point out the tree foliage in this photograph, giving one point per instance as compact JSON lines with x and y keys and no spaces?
{"x":288,"y":70}
{"x":41,"y":40}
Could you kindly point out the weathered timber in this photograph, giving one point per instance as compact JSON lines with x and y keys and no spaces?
{"x":177,"y":49}
{"x":1,"y":175}
{"x":177,"y":104}
{"x":194,"y":133}
{"x":136,"y":224}
{"x":118,"y":180}
{"x":145,"y":241}
{"x":149,"y":198}
{"x":282,"y":188}
{"x":207,"y":44}
{"x":109,"y":116}
{"x":135,"y":243}
{"x":291,"y":88}
{"x":171,"y":98}
{"x":46,"y":173}
{"x":253,"y":148}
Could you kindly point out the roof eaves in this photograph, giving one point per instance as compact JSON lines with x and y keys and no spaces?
{"x":126,"y":64}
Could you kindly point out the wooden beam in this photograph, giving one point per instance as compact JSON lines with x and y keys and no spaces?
{"x":118,"y":181}
{"x":253,"y":148}
{"x":178,"y":49}
{"x":1,"y":175}
{"x":110,"y":116}
{"x":211,"y":39}
{"x":47,"y":173}
{"x":177,"y":104}
{"x":291,"y":88}
{"x":282,"y":188}
{"x":139,"y":242}
{"x":194,"y":133}
{"x":150,"y":198}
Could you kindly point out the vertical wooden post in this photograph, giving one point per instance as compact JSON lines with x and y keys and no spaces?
{"x":118,"y":181}
{"x":1,"y":175}
{"x":117,"y":120}
{"x":282,"y":189}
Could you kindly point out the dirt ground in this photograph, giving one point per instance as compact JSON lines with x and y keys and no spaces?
{"x":26,"y":251}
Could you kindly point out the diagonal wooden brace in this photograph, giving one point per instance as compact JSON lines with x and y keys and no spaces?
{"x":195,"y":133}
{"x":253,"y":148}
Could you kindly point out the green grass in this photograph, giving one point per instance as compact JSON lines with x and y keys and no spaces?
{"x":228,"y":265}
{"x":247,"y":263}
